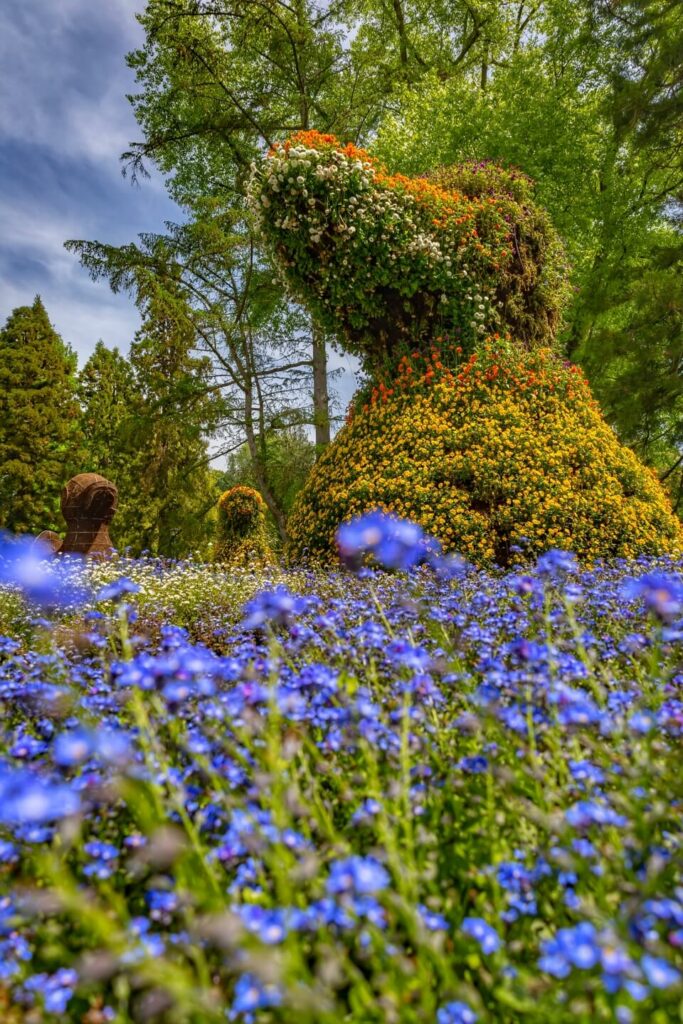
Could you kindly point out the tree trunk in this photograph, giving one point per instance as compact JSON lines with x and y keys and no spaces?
{"x":321,"y":401}
{"x":402,"y":37}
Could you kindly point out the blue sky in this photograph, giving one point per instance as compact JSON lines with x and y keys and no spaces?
{"x":64,"y":122}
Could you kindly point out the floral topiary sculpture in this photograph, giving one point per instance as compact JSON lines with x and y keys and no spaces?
{"x":387,"y":262}
{"x":488,"y":440}
{"x":241,"y":533}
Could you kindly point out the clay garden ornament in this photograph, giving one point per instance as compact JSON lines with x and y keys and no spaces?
{"x":88,"y":505}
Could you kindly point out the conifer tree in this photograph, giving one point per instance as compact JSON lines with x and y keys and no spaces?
{"x":108,"y":395}
{"x":174,"y":412}
{"x":40,"y":439}
{"x":105,"y":389}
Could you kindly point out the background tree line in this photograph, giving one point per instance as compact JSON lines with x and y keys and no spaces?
{"x":583,"y":95}
{"x":145,"y":421}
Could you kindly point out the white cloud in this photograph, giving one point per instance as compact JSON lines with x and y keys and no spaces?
{"x":64,"y":121}
{"x":82,"y":311}
{"x":82,"y":319}
{"x":61,"y":87}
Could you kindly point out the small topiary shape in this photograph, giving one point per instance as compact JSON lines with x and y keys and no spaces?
{"x":241,"y":532}
{"x":505,"y":455}
{"x":388,"y":262}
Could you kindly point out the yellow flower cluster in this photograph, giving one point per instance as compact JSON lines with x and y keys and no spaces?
{"x":241,"y":534}
{"x":510,"y":450}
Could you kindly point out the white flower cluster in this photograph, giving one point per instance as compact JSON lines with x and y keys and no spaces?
{"x":346,"y":235}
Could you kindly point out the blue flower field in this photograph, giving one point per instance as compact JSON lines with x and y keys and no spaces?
{"x":432,"y":794}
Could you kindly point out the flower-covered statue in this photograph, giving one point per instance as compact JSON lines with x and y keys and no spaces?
{"x":450,"y":289}
{"x":241,"y":532}
{"x":388,"y":262}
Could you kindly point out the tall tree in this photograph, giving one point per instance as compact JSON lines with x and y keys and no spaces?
{"x":109,"y":396}
{"x":106,"y":391}
{"x":174,"y":413}
{"x":219,"y":82}
{"x":40,"y":440}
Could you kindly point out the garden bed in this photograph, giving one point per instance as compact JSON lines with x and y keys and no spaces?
{"x":323,"y":797}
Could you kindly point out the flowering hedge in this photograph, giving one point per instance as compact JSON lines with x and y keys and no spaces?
{"x":386,"y":261}
{"x":241,"y":532}
{"x":507,"y":451}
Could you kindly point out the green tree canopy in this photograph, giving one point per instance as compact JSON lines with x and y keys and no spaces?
{"x":40,"y":439}
{"x":174,"y":412}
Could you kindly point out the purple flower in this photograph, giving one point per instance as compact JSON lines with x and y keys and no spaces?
{"x":278,"y":606}
{"x":456,"y":1013}
{"x":46,"y":583}
{"x":161,"y":903}
{"x":253,"y":994}
{"x":56,"y":989}
{"x":117,"y":589}
{"x":360,"y":536}
{"x":9,"y":853}
{"x":29,"y":799}
{"x":556,"y":563}
{"x":404,"y":545}
{"x":449,"y":567}
{"x":73,"y":747}
{"x":585,"y":813}
{"x":487,"y":937}
{"x":433,"y":921}
{"x":357,"y":875}
{"x":642,"y":722}
{"x":101,"y":850}
{"x":113,"y":746}
{"x":267,"y":923}
{"x":367,"y":810}
{"x":475,"y":764}
{"x":661,"y":595}
{"x":571,"y":947}
{"x":524,"y":585}
{"x":104,"y":857}
{"x":394,"y":543}
{"x":659,"y":973}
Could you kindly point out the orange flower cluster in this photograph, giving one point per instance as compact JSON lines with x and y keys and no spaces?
{"x":418,"y":370}
{"x":448,"y":206}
